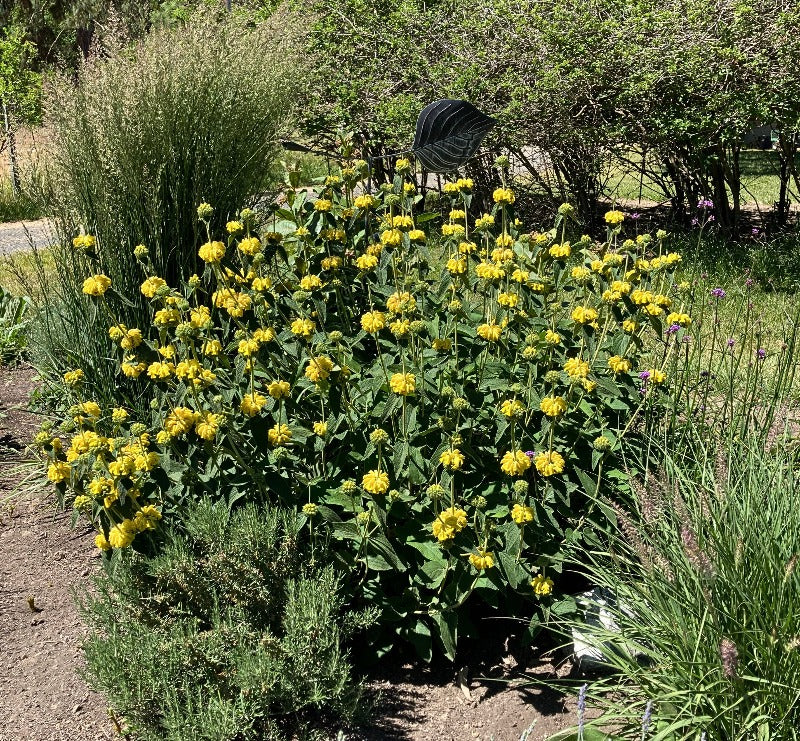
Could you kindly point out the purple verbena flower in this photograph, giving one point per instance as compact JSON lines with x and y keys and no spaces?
{"x":644,"y":375}
{"x":730,"y":342}
{"x":695,"y":221}
{"x":673,"y":328}
{"x":530,"y":453}
{"x":635,"y":216}
{"x":705,"y":203}
{"x":755,"y":231}
{"x":761,"y":353}
{"x":711,"y":217}
{"x":749,"y":283}
{"x":718,"y":293}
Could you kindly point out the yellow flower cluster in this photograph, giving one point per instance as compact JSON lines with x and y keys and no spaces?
{"x":449,"y":523}
{"x":96,"y":285}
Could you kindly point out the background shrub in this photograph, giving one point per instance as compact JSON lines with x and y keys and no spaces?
{"x":142,"y":135}
{"x":233,"y":631}
{"x":575,"y":100}
{"x":14,"y":320}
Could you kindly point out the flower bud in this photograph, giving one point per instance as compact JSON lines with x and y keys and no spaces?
{"x":520,"y":487}
{"x":566,"y":209}
{"x":601,"y":444}
{"x":379,"y":437}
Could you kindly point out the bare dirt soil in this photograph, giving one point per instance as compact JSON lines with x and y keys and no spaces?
{"x":44,"y":560}
{"x":500,"y":704}
{"x":41,"y":559}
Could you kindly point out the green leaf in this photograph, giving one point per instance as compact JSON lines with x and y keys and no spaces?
{"x":381,"y":544}
{"x":564,"y":606}
{"x":376,"y":563}
{"x":434,"y":573}
{"x":430,"y":551}
{"x":447,"y":625}
{"x":588,"y":483}
{"x":514,"y":572}
{"x":420,"y":637}
{"x":417,"y":469}
{"x":399,"y":458}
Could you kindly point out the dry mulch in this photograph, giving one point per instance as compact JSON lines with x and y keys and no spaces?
{"x":42,"y":697}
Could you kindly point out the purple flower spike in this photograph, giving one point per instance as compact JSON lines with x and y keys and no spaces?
{"x":673,"y":328}
{"x":705,"y":203}
{"x":718,"y":293}
{"x":711,"y":217}
{"x":730,"y":342}
{"x":648,"y":714}
{"x":755,"y":231}
{"x":749,"y":283}
{"x":695,"y":221}
{"x":644,"y":375}
{"x":582,"y":707}
{"x":530,"y":453}
{"x":635,"y":216}
{"x":761,"y":353}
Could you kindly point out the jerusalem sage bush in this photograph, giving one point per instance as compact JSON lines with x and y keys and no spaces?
{"x":444,"y":420}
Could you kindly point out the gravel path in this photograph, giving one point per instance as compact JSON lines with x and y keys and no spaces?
{"x":16,"y":236}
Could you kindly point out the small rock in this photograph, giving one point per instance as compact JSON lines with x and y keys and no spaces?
{"x":85,"y":572}
{"x":77,"y":708}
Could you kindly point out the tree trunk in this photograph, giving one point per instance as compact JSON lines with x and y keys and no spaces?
{"x":722,"y":207}
{"x":786,"y":145}
{"x":12,"y":148}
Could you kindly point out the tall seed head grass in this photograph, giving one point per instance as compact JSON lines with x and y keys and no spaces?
{"x":141,"y":136}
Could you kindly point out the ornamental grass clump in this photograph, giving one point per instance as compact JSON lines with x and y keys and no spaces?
{"x":445,"y":413}
{"x":700,"y":590}
{"x":140,"y":135}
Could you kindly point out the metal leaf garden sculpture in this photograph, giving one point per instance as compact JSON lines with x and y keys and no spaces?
{"x":449,"y":132}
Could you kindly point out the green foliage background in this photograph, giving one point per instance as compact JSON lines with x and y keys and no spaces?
{"x":582,"y":83}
